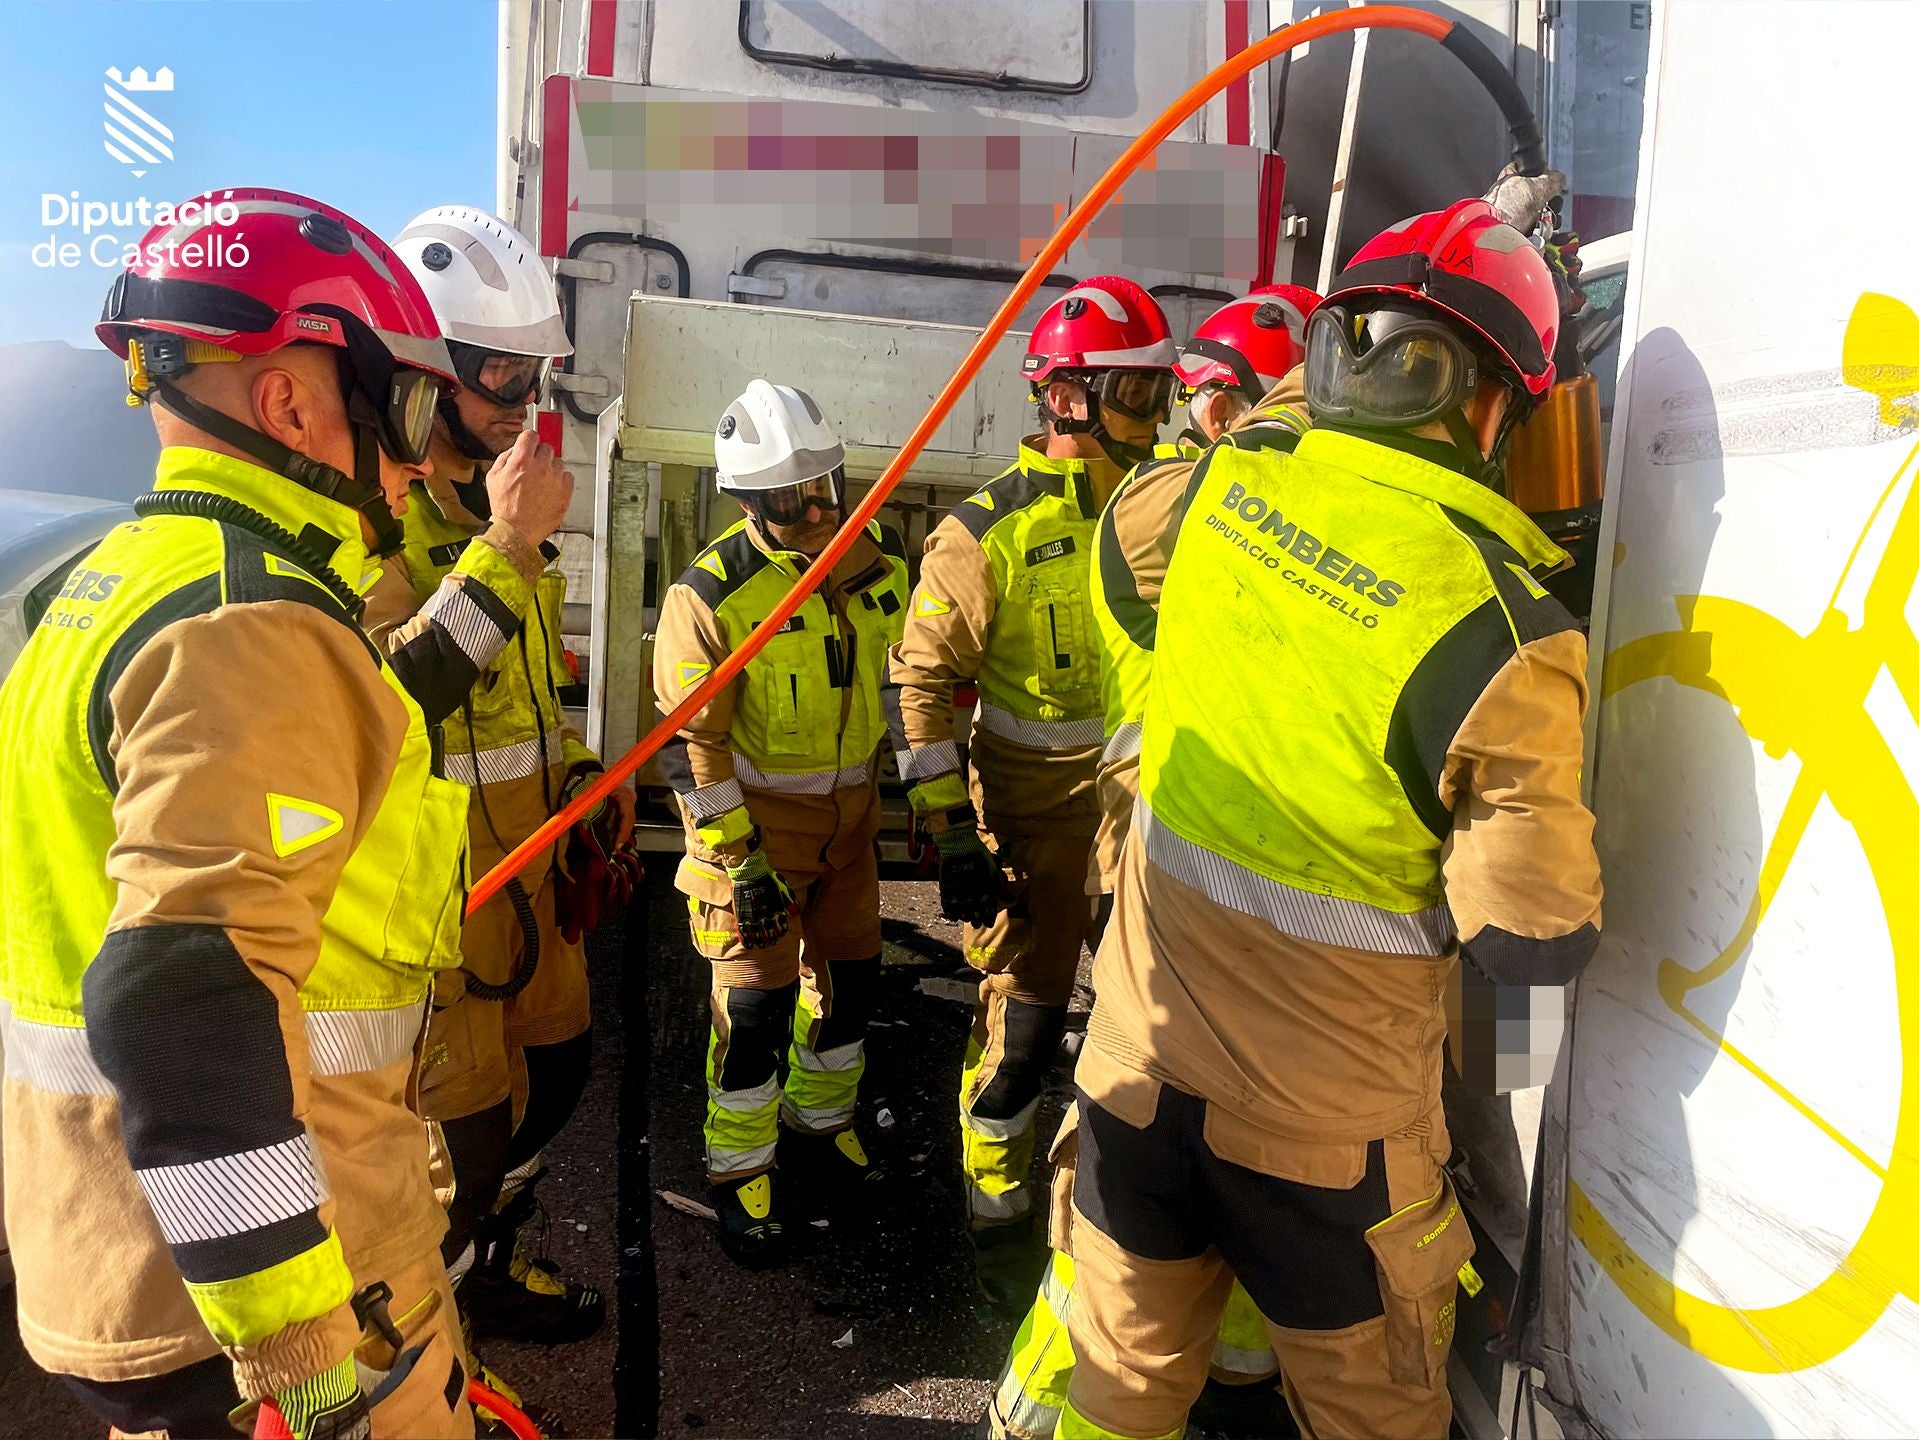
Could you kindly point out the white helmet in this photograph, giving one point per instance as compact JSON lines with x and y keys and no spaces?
{"x":485,"y":282}
{"x":772,"y":437}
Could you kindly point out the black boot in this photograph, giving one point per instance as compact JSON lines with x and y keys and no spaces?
{"x":1007,"y":1263}
{"x":833,"y":1175}
{"x":514,"y":1292}
{"x":752,"y":1223}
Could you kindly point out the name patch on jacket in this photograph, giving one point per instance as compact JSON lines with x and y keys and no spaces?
{"x":1276,"y":542}
{"x":1051,"y":550}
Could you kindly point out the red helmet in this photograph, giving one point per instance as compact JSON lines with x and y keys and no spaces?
{"x":1471,"y":268}
{"x":1110,"y":336}
{"x":1105,"y":323}
{"x":245,"y":272}
{"x":1249,"y":343}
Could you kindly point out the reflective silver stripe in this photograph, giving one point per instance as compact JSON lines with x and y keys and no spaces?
{"x":1123,"y":743}
{"x":1056,"y":1289}
{"x":470,"y":627}
{"x":923,"y":762}
{"x":1008,"y":1206}
{"x":709,"y":802}
{"x":1239,"y":1360}
{"x":508,"y":762}
{"x":1323,"y":919}
{"x":339,"y":1042}
{"x":348,"y":1042}
{"x":1024,"y":1418}
{"x":988,"y":1128}
{"x":1040,"y":734}
{"x":745,"y":1102}
{"x":817,"y":1119}
{"x":1022,"y":1413}
{"x":841,"y":1057}
{"x":728,"y":1162}
{"x":211,"y":1199}
{"x":54,"y":1058}
{"x":810,"y":782}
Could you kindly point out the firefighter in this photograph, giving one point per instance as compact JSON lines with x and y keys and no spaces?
{"x":1240,"y":378}
{"x":214,"y":983}
{"x":518,"y":1007}
{"x":1002,"y":600}
{"x":1359,"y":763}
{"x":779,"y":782}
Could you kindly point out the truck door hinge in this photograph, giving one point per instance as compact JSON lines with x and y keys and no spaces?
{"x":580,"y":384}
{"x":601,"y":270}
{"x":738,"y":285}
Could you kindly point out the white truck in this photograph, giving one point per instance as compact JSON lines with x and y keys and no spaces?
{"x":1709,"y":1223}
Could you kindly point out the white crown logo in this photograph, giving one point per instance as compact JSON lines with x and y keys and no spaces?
{"x":162,"y":79}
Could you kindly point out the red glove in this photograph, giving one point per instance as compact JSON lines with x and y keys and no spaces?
{"x":598,"y":871}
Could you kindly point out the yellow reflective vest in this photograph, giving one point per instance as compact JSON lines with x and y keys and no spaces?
{"x":511,"y":724}
{"x":210,"y":869}
{"x":808,"y":717}
{"x":1318,"y":582}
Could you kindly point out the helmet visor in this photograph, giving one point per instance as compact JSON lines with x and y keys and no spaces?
{"x":1389,"y":367}
{"x":787,"y":504}
{"x":1142,"y":394}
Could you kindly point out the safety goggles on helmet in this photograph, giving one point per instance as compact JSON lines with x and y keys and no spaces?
{"x":1391,"y":366}
{"x":787,"y":504}
{"x":500,"y":376}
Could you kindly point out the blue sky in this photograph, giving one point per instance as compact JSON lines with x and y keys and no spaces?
{"x":382,"y":107}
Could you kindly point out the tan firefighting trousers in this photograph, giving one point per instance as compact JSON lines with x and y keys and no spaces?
{"x":1354,"y":1253}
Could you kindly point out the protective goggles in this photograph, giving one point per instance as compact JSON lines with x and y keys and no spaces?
{"x":1391,"y":367}
{"x":787,"y":504}
{"x":1142,"y":394}
{"x":503,"y":378}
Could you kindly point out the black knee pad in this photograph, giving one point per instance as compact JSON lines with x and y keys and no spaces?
{"x":759,"y":1025}
{"x":856,"y":994}
{"x":1031,"y":1040}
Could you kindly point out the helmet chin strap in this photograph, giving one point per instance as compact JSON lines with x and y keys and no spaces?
{"x":1119,"y":452}
{"x":1476,"y":464}
{"x":360,"y":491}
{"x":462,"y":436}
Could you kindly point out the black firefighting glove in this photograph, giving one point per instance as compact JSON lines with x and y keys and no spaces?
{"x":762,"y":901}
{"x":972,"y":889}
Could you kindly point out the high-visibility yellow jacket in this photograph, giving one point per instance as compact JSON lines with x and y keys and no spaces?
{"x":793,"y":743}
{"x":1361,"y":748}
{"x":504,"y":720}
{"x":1002,"y":600}
{"x":244,"y":873}
{"x":1131,"y":547}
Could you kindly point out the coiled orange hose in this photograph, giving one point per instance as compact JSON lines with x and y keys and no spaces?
{"x":1369,"y":17}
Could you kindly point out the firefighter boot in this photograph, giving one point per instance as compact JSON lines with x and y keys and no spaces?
{"x":834,"y":1176}
{"x":752,"y":1223}
{"x":514,"y":1292}
{"x":1007,"y":1262}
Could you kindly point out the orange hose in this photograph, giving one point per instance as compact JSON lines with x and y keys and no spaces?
{"x":1368,"y":17}
{"x":516,"y":1420}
